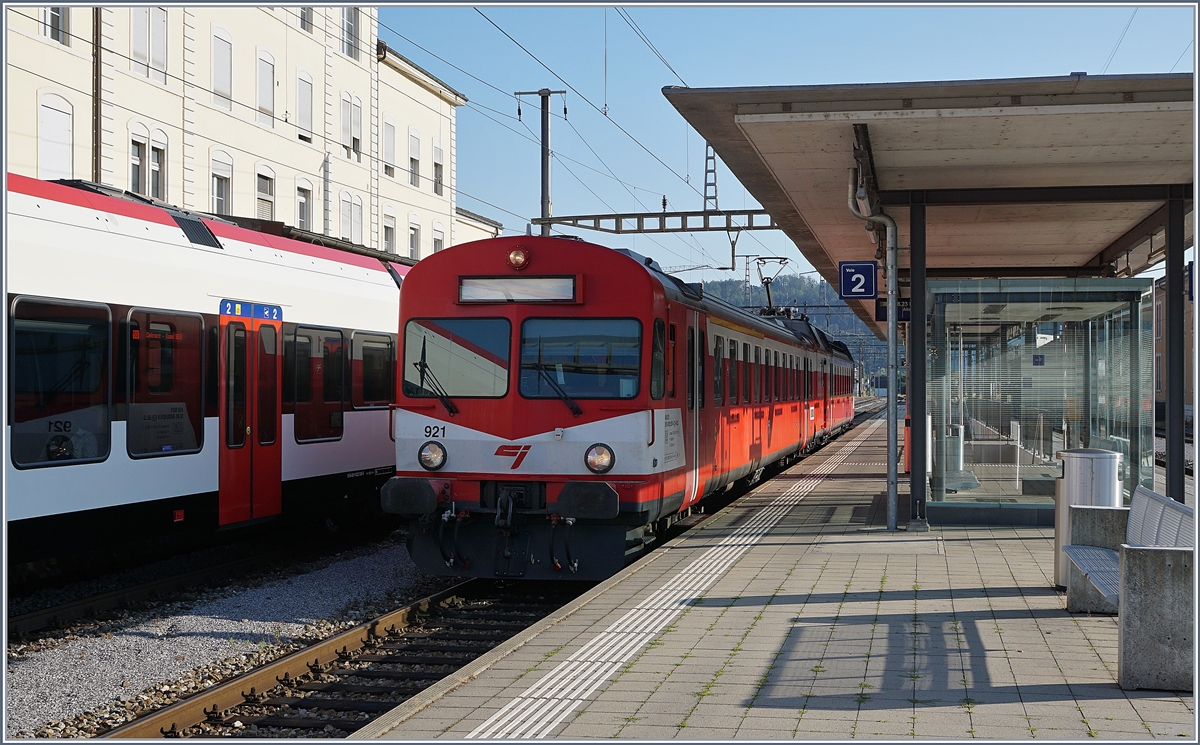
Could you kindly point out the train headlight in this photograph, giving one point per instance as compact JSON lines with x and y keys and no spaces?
{"x":518,"y":259}
{"x":432,"y":456}
{"x":599,"y":458}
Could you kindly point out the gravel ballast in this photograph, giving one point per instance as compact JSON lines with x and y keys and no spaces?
{"x":110,"y":676}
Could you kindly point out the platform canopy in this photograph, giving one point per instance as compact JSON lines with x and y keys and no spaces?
{"x":1062,"y":176}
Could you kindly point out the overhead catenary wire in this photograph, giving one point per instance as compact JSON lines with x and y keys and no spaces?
{"x":646,"y":40}
{"x":253,"y":109}
{"x":597,"y":108}
{"x":1189,"y":46}
{"x":184,"y":131}
{"x":1113,"y":53}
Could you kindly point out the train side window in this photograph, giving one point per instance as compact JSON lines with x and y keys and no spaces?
{"x":371,"y":370}
{"x":733,"y":372}
{"x":718,"y":370}
{"x":320,"y":384}
{"x":212,"y":374}
{"x":235,"y":385}
{"x":702,"y":350}
{"x":61,"y":399}
{"x":268,"y":359}
{"x":691,"y":368}
{"x":757,"y":375}
{"x":165,"y":378}
{"x":658,"y":360}
{"x":775,"y":368}
{"x":671,"y":364}
{"x":747,"y":372}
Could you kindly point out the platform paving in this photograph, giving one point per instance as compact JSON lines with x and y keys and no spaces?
{"x":791,"y":614}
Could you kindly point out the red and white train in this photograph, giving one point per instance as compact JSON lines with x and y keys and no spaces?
{"x":172,"y":374}
{"x":560,"y":400}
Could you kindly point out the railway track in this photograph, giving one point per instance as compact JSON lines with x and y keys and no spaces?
{"x":341,"y":684}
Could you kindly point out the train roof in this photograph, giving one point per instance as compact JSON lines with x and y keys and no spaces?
{"x":204,"y":228}
{"x":693,"y":294}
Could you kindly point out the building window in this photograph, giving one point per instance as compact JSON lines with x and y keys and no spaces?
{"x":389,"y":234}
{"x":356,"y":128}
{"x":148,"y":42}
{"x":437,"y":166}
{"x":265,"y":204}
{"x":356,"y":221}
{"x":439,"y":240}
{"x":54,"y":138}
{"x":266,"y":90}
{"x":352,"y":125}
{"x":223,"y":73}
{"x":222,"y":175}
{"x":157,"y":180}
{"x":414,"y":242}
{"x":1158,"y":320}
{"x":1158,"y":373}
{"x":350,"y":32}
{"x":137,"y":156}
{"x":304,"y":97}
{"x":414,"y":159}
{"x":303,"y":205}
{"x":345,"y":230}
{"x":306,"y":19}
{"x":56,"y":24}
{"x":389,"y":149}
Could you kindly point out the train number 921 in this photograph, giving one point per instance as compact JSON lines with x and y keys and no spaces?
{"x":435,"y":431}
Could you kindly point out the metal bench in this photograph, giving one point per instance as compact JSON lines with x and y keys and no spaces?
{"x":1137,"y":562}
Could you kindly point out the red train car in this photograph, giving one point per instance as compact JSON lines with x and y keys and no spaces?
{"x":559,"y":401}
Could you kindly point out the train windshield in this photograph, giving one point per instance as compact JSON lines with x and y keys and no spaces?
{"x":585,"y":357}
{"x":456,"y":357}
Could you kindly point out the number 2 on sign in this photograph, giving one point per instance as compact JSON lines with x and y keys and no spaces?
{"x":859,"y":280}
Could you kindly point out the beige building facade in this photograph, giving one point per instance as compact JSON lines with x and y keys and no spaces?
{"x":298,"y":115}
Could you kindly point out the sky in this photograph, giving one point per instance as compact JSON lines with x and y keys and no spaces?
{"x":597,"y":56}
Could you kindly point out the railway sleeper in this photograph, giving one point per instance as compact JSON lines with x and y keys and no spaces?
{"x":405,"y":659}
{"x":410,"y":685}
{"x":444,"y":648}
{"x":394,"y":674}
{"x":333,"y":704}
{"x":270,"y":720}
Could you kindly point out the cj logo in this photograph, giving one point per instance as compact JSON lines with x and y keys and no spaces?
{"x":513,"y":451}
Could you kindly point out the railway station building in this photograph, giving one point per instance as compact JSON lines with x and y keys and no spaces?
{"x":291,"y":114}
{"x":1025,"y":210}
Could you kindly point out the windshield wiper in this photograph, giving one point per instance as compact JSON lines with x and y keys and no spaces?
{"x":541,"y":368}
{"x":435,"y":384}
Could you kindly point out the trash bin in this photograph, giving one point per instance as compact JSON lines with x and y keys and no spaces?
{"x":1089,"y":478}
{"x":954,"y":448}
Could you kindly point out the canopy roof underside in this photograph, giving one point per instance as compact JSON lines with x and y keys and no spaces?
{"x":792,"y":148}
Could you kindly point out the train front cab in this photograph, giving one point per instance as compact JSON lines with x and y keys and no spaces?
{"x":537,"y":392}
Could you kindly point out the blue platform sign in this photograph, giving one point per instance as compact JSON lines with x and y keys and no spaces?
{"x":856,"y":280}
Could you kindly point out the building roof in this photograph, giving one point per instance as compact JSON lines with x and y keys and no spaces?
{"x":418,"y":74}
{"x":792,"y":148}
{"x":479,"y":218}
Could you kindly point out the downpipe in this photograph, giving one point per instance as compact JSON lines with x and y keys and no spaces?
{"x":892,"y":343}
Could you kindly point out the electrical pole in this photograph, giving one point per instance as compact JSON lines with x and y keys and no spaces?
{"x":545,"y":94}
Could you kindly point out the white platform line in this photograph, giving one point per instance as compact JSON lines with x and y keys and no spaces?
{"x":544,"y":705}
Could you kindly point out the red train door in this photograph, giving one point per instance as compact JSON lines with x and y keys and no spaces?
{"x":691,"y":420}
{"x":250,"y":462}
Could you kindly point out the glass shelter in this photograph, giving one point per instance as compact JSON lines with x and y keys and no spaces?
{"x":1020,"y":369}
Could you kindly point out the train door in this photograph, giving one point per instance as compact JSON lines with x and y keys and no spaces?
{"x":692,"y":418}
{"x":251,"y":461}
